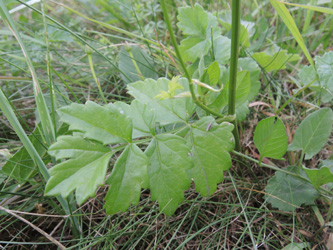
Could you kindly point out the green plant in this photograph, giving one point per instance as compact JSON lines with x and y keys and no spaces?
{"x":183,"y":146}
{"x":179,"y":131}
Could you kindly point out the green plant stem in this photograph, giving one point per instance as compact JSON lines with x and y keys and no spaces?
{"x":182,"y":64}
{"x":91,"y":64}
{"x":48,"y":65}
{"x":235,"y":29}
{"x":129,"y":50}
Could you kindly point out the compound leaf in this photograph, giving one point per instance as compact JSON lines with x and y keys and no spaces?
{"x":195,"y":21}
{"x":286,"y":192}
{"x":84,"y":171}
{"x":143,"y":118}
{"x":270,"y":138}
{"x":198,"y":25}
{"x":170,"y":159}
{"x":210,"y":143}
{"x":167,"y":110}
{"x":102,"y":123}
{"x":194,"y":47}
{"x":313,"y":132}
{"x":129,"y":175}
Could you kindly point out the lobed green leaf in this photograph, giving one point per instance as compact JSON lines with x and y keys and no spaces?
{"x":102,"y":123}
{"x":210,"y":145}
{"x":201,"y":28}
{"x":168,"y":110}
{"x":128,"y":177}
{"x":170,"y":158}
{"x":143,"y":118}
{"x":84,"y":171}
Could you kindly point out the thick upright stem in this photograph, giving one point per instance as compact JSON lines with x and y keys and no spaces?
{"x":235,"y":27}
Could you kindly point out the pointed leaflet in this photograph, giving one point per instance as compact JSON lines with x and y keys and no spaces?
{"x":210,"y":143}
{"x":84,"y":171}
{"x":102,"y":123}
{"x":143,"y":118}
{"x":286,"y":192}
{"x":270,"y":138}
{"x":313,"y":132}
{"x":128,"y":177}
{"x":168,"y":110}
{"x":169,"y":159}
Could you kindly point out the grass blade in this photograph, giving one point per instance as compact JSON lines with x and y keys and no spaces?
{"x":311,"y":7}
{"x":291,"y":25}
{"x":10,"y":115}
{"x":43,"y":112}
